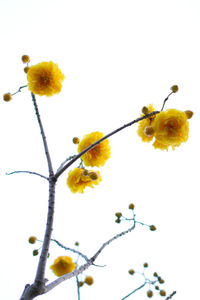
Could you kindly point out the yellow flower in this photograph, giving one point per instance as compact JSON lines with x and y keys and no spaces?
{"x":63,"y":265}
{"x":170,"y":129}
{"x":45,"y":79}
{"x":146,"y":123}
{"x":77,"y":181}
{"x":98,"y":155}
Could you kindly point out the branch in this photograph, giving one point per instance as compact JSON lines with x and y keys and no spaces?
{"x":58,"y":173}
{"x":85,"y":266}
{"x":43,"y":135}
{"x":29,"y":172}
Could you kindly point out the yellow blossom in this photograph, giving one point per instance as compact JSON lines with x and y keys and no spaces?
{"x":98,"y":155}
{"x":63,"y":265}
{"x":77,"y":181}
{"x":170,"y":129}
{"x":45,"y":79}
{"x":146,"y":123}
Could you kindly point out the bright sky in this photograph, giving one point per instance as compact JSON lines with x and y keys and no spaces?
{"x":117,"y":56}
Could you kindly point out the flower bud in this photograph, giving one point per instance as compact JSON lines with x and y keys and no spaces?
{"x":89,"y":280}
{"x":131,"y":271}
{"x":75,"y":140}
{"x":145,"y":110}
{"x":81,"y":283}
{"x":118,"y":221}
{"x":189,"y":114}
{"x":32,"y":239}
{"x":162,"y":293}
{"x":25,"y":59}
{"x":7,"y":97}
{"x":93,"y":175}
{"x":76,"y":243}
{"x":118,"y":214}
{"x":85,"y":172}
{"x":149,"y":131}
{"x":149,"y":294}
{"x":145,"y":265}
{"x":174,"y":88}
{"x":152,"y":227}
{"x":131,"y":206}
{"x":35,"y":252}
{"x":26,"y":69}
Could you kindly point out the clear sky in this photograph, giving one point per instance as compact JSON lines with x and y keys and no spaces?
{"x":117,"y":56}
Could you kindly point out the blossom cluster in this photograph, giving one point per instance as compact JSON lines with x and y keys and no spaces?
{"x":169,"y":128}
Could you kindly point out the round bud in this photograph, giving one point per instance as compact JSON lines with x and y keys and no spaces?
{"x":131,"y":206}
{"x":26,"y":69}
{"x":85,"y":172}
{"x":155,"y":274}
{"x":32,"y":239}
{"x":145,"y":110}
{"x":89,"y":280}
{"x":7,"y":97}
{"x":145,"y":265}
{"x":81,"y":283}
{"x":93,"y":175}
{"x":189,"y":114}
{"x":35,"y":252}
{"x":157,"y":287}
{"x":76,"y":243}
{"x":118,"y":221}
{"x":160,"y":280}
{"x":152,"y":227}
{"x":174,"y":88}
{"x":118,"y":214}
{"x":149,"y":131}
{"x":149,"y":294}
{"x":25,"y":59}
{"x":131,"y":271}
{"x":162,"y":293}
{"x":75,"y":140}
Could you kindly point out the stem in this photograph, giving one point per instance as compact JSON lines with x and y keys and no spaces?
{"x":166,"y":100}
{"x":19,"y":90}
{"x":78,"y":288}
{"x":29,"y":172}
{"x":140,"y":287}
{"x":43,"y":136}
{"x":101,"y":140}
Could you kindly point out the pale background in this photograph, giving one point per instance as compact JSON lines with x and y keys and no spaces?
{"x":117,"y":56}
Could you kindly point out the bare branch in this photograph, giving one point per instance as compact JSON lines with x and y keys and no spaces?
{"x":101,"y":140}
{"x":140,"y":287}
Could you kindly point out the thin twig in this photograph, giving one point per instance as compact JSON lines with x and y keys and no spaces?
{"x":64,"y":162}
{"x":70,"y":249}
{"x":28,"y":172}
{"x":102,"y":139}
{"x":170,"y":296}
{"x":19,"y":90}
{"x":140,"y":287}
{"x":166,"y":100}
{"x":78,"y":288}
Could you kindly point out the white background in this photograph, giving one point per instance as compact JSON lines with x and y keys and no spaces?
{"x":117,"y":56}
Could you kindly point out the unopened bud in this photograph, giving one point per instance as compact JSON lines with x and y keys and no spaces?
{"x":7,"y":97}
{"x":174,"y":88}
{"x":26,"y":69}
{"x":189,"y":114}
{"x":145,"y":110}
{"x":93,"y":175}
{"x":75,"y":140}
{"x":25,"y":59}
{"x":149,"y":131}
{"x":152,"y":227}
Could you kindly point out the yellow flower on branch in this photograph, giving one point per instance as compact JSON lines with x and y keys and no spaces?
{"x":45,"y":79}
{"x":171,"y":128}
{"x":77,"y":181}
{"x":98,"y":155}
{"x":63,"y":265}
